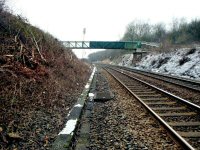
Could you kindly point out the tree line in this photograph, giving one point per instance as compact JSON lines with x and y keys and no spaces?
{"x":179,"y":32}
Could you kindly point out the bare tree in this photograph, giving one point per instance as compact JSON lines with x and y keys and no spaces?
{"x":2,"y":3}
{"x":159,"y":32}
{"x":138,"y":30}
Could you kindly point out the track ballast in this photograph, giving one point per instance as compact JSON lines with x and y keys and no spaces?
{"x":180,"y":117}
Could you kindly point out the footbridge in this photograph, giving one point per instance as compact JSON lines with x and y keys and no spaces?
{"x":126,"y":45}
{"x":136,"y":47}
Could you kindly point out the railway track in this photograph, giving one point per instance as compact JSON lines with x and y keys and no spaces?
{"x":184,"y":82}
{"x":180,"y":117}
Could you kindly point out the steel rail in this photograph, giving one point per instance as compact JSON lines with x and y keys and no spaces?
{"x":180,"y":139}
{"x":163,"y":91}
{"x":169,"y":78}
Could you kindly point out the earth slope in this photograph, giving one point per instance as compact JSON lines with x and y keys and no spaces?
{"x":40,"y":81}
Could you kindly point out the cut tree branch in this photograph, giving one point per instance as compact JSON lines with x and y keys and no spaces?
{"x":37,"y":47}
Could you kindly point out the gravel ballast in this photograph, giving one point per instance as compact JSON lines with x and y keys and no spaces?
{"x":123,"y":123}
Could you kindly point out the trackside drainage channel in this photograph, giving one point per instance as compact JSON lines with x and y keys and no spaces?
{"x":76,"y":134}
{"x":99,"y":92}
{"x":64,"y":138}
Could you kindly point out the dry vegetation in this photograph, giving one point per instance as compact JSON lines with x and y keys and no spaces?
{"x":39,"y":82}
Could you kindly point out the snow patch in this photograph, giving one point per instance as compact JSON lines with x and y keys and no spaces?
{"x":126,"y":60}
{"x":91,"y":94}
{"x":69,"y":113}
{"x":177,"y":63}
{"x":78,"y":105}
{"x":180,"y":63}
{"x":87,"y":86}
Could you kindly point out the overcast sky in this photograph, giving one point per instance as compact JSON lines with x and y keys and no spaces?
{"x":104,"y":20}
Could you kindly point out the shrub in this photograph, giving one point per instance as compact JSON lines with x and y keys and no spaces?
{"x":191,"y":51}
{"x":153,"y":62}
{"x":163,"y":61}
{"x":183,"y":60}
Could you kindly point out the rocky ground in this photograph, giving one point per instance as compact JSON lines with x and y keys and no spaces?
{"x":122,"y":123}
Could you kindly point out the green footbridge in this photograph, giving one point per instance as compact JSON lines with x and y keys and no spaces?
{"x":127,"y":45}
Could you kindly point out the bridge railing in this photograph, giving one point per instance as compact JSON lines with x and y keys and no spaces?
{"x":77,"y":44}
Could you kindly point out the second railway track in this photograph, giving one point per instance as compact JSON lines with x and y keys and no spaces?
{"x":184,"y":82}
{"x":180,"y":117}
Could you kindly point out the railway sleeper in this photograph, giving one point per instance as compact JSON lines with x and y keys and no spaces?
{"x":160,"y":103}
{"x":168,"y":108}
{"x":144,"y":92}
{"x":177,"y":114}
{"x":159,"y":98}
{"x":190,"y":134}
{"x":150,"y":96}
{"x":177,"y":124}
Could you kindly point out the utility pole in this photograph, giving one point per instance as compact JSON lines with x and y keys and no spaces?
{"x":84,"y":32}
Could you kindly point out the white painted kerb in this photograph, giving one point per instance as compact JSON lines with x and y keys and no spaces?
{"x":69,"y":127}
{"x":71,"y":124}
{"x":87,"y":86}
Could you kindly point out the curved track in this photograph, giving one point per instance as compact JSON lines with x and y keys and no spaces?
{"x":180,"y":117}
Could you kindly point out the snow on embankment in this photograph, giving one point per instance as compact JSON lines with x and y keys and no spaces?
{"x":126,"y":60}
{"x":183,"y":62}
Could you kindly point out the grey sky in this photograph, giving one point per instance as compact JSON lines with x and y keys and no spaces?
{"x":103,"y":19}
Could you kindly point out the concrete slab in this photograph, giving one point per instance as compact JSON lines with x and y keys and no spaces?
{"x":62,"y":142}
{"x":103,"y":96}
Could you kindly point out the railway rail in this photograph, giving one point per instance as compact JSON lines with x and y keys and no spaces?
{"x":184,"y":82}
{"x":179,"y":116}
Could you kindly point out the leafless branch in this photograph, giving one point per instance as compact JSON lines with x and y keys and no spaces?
{"x":37,"y":47}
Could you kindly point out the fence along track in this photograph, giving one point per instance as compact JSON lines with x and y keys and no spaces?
{"x":180,"y":118}
{"x":187,"y":83}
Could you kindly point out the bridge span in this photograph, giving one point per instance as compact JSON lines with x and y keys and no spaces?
{"x":136,"y":47}
{"x":126,"y":45}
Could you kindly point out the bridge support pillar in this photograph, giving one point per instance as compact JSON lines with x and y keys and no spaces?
{"x":136,"y":58}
